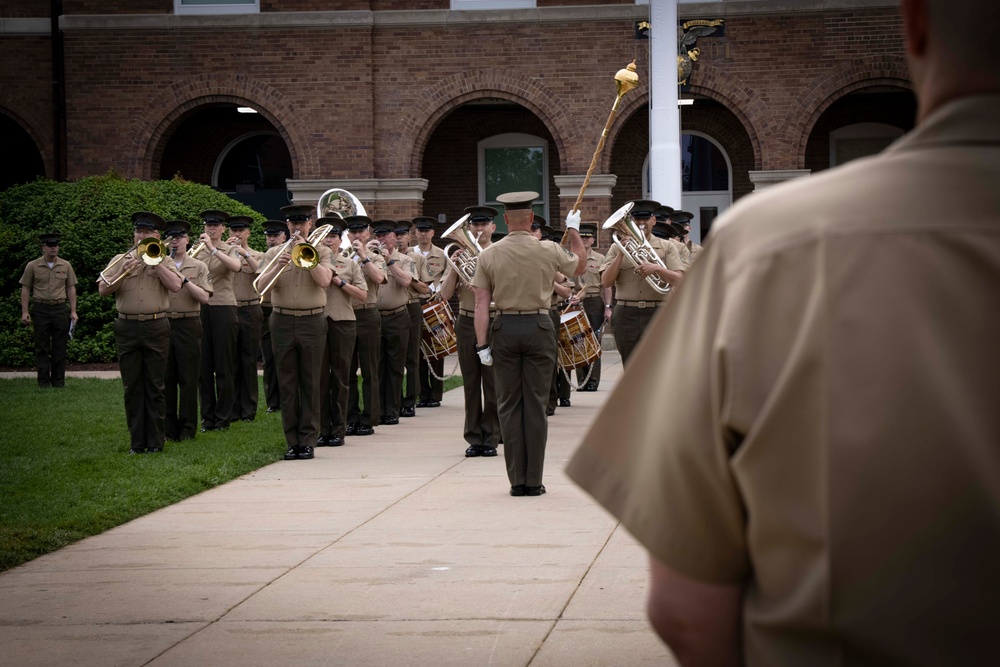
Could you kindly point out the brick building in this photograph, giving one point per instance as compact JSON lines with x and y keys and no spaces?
{"x":429,"y":106}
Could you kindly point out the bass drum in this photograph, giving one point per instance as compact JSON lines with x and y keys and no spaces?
{"x":439,"y":338}
{"x":578,"y":345}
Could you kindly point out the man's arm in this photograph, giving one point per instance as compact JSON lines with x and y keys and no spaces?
{"x":576,"y":247}
{"x":25,"y":315}
{"x":609,"y":274}
{"x":482,"y":318}
{"x":71,"y":296}
{"x":169,"y":276}
{"x":700,"y":622}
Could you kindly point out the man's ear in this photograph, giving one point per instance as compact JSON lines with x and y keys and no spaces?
{"x":914,"y":14}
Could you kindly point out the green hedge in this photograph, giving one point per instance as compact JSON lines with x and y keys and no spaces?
{"x":94,"y":217}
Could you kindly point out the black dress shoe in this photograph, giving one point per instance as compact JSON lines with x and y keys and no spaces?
{"x":590,"y":387}
{"x":518,"y":490}
{"x":206,"y":429}
{"x":390,"y":421}
{"x":486,"y":450}
{"x":247,"y":419}
{"x":352,"y":429}
{"x":534,"y":490}
{"x":363,"y":429}
{"x":549,"y":412}
{"x":564,"y":403}
{"x":306,"y":452}
{"x":323,"y":441}
{"x":407,"y":412}
{"x":273,"y":410}
{"x":422,"y":404}
{"x":334,"y":441}
{"x":154,"y":450}
{"x":474,"y":450}
{"x":136,"y":451}
{"x":292,"y":453}
{"x":433,"y":404}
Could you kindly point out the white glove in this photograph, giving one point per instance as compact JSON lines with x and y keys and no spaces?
{"x":485,"y":356}
{"x":573,"y":220}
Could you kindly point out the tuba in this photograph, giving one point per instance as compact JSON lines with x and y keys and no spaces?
{"x":340,"y":203}
{"x":463,"y":259}
{"x":631,"y":240}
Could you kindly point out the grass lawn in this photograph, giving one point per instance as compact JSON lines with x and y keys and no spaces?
{"x":66,"y":473}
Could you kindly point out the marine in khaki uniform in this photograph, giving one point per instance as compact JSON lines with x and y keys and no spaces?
{"x":681,"y":221}
{"x":142,"y":334}
{"x":822,"y":489}
{"x":275,"y":234}
{"x":562,"y":292}
{"x":346,"y":289}
{"x":482,"y":422}
{"x":184,"y":314}
{"x":395,"y":327}
{"x":220,"y":325}
{"x":517,"y":273}
{"x":250,"y":317}
{"x":431,"y":388}
{"x":419,"y":289}
{"x":51,"y":282}
{"x":636,"y":301}
{"x":298,"y":331}
{"x":664,"y":229}
{"x":361,"y":418}
{"x":596,"y":304}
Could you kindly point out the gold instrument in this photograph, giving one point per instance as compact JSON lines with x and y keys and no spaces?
{"x":150,"y":250}
{"x":305,"y":255}
{"x":341,"y":203}
{"x":464,"y":259}
{"x":197,"y":249}
{"x":631,"y":240}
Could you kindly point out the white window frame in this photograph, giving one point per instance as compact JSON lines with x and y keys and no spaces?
{"x":473,"y":5}
{"x":243,"y":7}
{"x":515,"y":140}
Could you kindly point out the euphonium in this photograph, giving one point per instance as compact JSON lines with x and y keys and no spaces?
{"x":464,"y":259}
{"x":150,"y":250}
{"x":631,"y":240}
{"x":340,"y":203}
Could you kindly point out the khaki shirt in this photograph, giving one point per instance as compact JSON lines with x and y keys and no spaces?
{"x":519,"y":269}
{"x":592,"y":278}
{"x":630,"y":286}
{"x":340,"y":304}
{"x":684,"y":253}
{"x":243,"y":281}
{"x":694,"y":249}
{"x":466,"y":297}
{"x":295,"y":289}
{"x":423,"y":274}
{"x":373,"y":287}
{"x":815,"y":417}
{"x":393,"y":295}
{"x":141,"y":292}
{"x":197,"y":272}
{"x":222,"y":278}
{"x":47,"y":283}
{"x":436,"y":263}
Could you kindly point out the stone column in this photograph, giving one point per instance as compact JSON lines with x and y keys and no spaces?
{"x":765,"y":179}
{"x":596,"y":205}
{"x":395,"y":198}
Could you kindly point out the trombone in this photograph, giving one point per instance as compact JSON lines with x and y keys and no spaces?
{"x":305,"y":255}
{"x":150,"y":250}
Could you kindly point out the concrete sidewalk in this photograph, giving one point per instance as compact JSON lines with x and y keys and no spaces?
{"x":392,"y":550}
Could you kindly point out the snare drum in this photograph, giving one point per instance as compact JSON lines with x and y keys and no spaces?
{"x":578,"y":345}
{"x":438,"y":339}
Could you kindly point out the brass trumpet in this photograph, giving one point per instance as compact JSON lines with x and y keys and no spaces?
{"x":305,"y":255}
{"x":464,"y":259}
{"x":632,"y":242}
{"x":150,"y":250}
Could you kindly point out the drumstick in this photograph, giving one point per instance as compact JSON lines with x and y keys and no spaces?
{"x":575,"y":296}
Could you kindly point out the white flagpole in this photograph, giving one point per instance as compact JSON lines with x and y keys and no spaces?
{"x":664,"y":117}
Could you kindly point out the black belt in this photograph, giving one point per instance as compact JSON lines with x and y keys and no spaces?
{"x":472,"y":313}
{"x":142,"y":317}
{"x":364,"y":306}
{"x":559,"y":306}
{"x":641,"y":304}
{"x":297,"y":312}
{"x":386,"y":313}
{"x":48,"y":302}
{"x":538,"y":311}
{"x":183,"y":316}
{"x":248,"y":302}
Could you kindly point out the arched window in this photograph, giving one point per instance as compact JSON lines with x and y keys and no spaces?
{"x":860,"y":140}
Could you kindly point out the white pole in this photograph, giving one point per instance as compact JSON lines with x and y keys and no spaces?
{"x":664,"y":117}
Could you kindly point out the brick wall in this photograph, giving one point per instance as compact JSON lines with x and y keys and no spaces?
{"x":27,"y":100}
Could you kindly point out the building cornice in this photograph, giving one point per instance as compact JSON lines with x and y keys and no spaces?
{"x":431,"y":17}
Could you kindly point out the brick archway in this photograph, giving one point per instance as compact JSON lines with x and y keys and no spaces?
{"x":145,"y":138}
{"x":418,"y":124}
{"x":13,"y":108}
{"x":882,"y":70}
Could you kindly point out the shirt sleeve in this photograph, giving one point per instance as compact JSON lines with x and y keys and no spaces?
{"x":29,"y":274}
{"x":202,"y":278}
{"x":663,"y":466}
{"x":613,"y":252}
{"x":70,"y":275}
{"x":358,"y":276}
{"x":484,"y":271}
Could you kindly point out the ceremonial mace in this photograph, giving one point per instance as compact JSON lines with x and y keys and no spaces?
{"x":626,"y":79}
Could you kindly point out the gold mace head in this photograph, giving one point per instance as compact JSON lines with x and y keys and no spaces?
{"x":626,"y":79}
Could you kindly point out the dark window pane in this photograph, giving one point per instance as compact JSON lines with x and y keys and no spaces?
{"x":703,"y":166}
{"x":512,"y":170}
